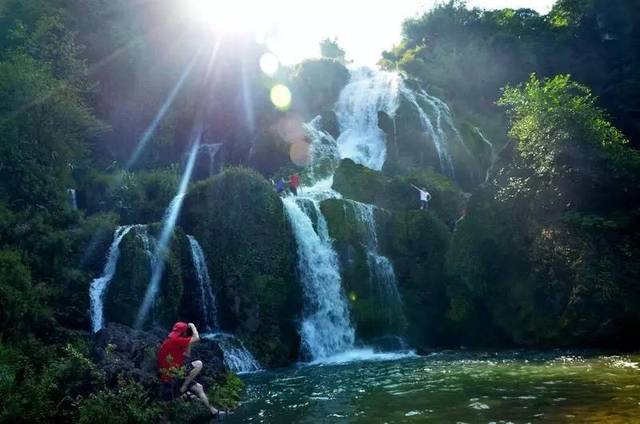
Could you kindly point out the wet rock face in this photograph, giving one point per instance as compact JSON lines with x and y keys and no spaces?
{"x":121,"y":351}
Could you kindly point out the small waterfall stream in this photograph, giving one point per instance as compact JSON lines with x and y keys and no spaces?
{"x":381,"y":273}
{"x":99,"y":286}
{"x":212,"y":150}
{"x":73,"y":201}
{"x":207,"y":298}
{"x":236,"y":356}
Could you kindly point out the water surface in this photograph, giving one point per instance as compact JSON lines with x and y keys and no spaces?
{"x":517,"y":387}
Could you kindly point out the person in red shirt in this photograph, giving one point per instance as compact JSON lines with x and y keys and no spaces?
{"x":294,"y":182}
{"x":171,"y":357}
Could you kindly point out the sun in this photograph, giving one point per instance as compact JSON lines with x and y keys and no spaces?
{"x":236,"y":16}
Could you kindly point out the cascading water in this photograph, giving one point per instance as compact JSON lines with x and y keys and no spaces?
{"x":73,"y":202}
{"x":236,"y":356}
{"x":324,"y":153}
{"x":169,"y":223}
{"x":207,"y":298}
{"x":326,"y":328}
{"x":434,"y":131}
{"x":493,"y":156}
{"x":100,"y":285}
{"x":211,"y":149}
{"x":381,"y":273}
{"x":367,"y":93}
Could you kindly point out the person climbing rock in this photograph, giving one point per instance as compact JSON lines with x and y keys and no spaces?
{"x":171,"y":357}
{"x":294,"y":182}
{"x":280,"y":186}
{"x":425,"y":196}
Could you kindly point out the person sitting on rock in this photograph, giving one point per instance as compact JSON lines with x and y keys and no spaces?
{"x":171,"y":356}
{"x":425,"y":196}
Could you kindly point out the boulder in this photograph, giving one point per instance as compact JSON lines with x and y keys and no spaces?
{"x":120,"y":351}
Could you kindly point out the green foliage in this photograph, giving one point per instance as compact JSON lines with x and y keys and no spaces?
{"x":138,"y":197}
{"x":546,"y":247}
{"x":470,"y":54}
{"x":22,"y":305}
{"x":127,"y":403}
{"x":47,"y":381}
{"x":238,"y":219}
{"x":330,"y":49}
{"x":396,"y":193}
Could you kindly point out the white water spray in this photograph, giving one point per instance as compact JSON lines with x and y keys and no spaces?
{"x":381,"y":273}
{"x":236,"y":356}
{"x":73,"y":202}
{"x":169,"y":223}
{"x":493,"y":156}
{"x":367,"y":93}
{"x":207,"y":298}
{"x":435,"y":132}
{"x":326,"y":328}
{"x":100,"y":285}
{"x":211,"y":149}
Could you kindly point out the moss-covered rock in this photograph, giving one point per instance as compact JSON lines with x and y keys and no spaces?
{"x":133,"y":273}
{"x":318,"y":83}
{"x":417,"y":242}
{"x":396,"y":193}
{"x":374,"y":310}
{"x":240,"y":223}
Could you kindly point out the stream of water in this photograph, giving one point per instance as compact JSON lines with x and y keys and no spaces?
{"x":454,"y":387}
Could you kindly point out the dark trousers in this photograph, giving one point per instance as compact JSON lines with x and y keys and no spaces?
{"x":294,"y":190}
{"x":424,"y":204}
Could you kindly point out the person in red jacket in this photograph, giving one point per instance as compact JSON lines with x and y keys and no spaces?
{"x":171,"y":357}
{"x":294,"y":183}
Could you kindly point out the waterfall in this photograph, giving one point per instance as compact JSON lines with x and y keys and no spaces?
{"x":326,"y":328}
{"x":100,"y":285}
{"x":324,"y":152}
{"x":236,"y":356}
{"x":492,"y":151}
{"x":211,"y":149}
{"x":207,"y":298}
{"x":381,"y":273}
{"x":442,"y":110}
{"x":367,"y":93}
{"x":168,"y":224}
{"x":73,"y":202}
{"x":434,"y":131}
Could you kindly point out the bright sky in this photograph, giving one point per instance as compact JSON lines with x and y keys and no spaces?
{"x":364,"y":28}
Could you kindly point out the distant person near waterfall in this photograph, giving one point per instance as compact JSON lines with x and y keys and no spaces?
{"x":280,"y":186}
{"x":171,"y":356}
{"x":425,"y":197}
{"x":294,"y":183}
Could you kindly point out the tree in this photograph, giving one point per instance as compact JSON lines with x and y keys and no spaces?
{"x":330,"y":49}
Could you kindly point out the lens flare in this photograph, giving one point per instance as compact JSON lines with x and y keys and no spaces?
{"x":269,"y":64}
{"x":299,"y":153}
{"x":281,"y":97}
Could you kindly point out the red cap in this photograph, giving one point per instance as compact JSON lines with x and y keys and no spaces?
{"x":178,"y":328}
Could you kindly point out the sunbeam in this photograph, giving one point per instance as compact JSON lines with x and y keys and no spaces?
{"x":151,"y":129}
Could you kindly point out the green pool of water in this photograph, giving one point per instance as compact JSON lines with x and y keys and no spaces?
{"x":517,"y":387}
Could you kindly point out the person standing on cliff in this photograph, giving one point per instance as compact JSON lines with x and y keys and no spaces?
{"x":425,"y":196}
{"x":171,"y":357}
{"x":294,"y":183}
